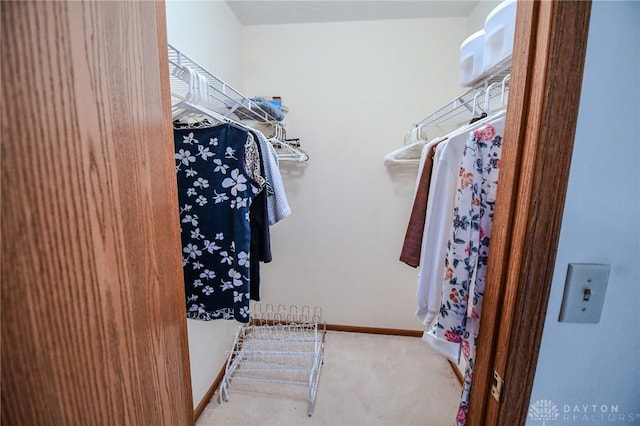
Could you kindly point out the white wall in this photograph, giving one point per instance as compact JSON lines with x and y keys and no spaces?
{"x":475,"y":21}
{"x":353,"y":89}
{"x":209,"y":33}
{"x":585,"y":364}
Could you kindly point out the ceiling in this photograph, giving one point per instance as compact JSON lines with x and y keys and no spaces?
{"x":267,"y":12}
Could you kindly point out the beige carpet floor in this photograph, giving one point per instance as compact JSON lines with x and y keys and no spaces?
{"x":366,"y":380}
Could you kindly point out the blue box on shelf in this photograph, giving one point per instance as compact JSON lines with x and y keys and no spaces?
{"x":277,"y":102}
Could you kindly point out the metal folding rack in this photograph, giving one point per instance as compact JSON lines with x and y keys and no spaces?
{"x":280,"y":345}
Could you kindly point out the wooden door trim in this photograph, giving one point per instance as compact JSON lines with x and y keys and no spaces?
{"x":548,"y":63}
{"x":165,"y":85}
{"x":93,"y":321}
{"x":516,"y":120}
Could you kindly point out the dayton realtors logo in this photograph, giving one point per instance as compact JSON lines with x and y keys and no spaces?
{"x":543,"y":409}
{"x":597,"y":414}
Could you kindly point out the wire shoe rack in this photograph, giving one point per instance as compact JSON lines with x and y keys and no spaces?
{"x":281,"y":345}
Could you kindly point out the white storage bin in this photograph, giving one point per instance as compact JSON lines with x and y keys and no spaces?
{"x":471,"y":58}
{"x":499,"y":29}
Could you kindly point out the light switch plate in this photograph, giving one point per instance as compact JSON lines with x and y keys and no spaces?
{"x":584,"y":292}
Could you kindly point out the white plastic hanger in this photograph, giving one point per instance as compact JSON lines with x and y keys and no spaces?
{"x":410,"y":153}
{"x":194,"y":107}
{"x":177,"y":109}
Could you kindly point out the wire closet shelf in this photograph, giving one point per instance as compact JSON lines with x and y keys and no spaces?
{"x":279,"y":345}
{"x":486,"y":96}
{"x":221,"y":97}
{"x":197,"y":96}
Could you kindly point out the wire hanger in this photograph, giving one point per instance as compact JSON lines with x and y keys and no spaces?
{"x":286,"y":151}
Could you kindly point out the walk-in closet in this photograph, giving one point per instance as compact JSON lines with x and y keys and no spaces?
{"x":280,"y":212}
{"x":354,"y":109}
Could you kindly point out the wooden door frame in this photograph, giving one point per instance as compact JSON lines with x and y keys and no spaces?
{"x":93,"y":321}
{"x":548,"y":62}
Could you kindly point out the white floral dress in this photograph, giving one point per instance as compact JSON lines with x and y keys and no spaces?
{"x":468,"y":251}
{"x":215,"y":192}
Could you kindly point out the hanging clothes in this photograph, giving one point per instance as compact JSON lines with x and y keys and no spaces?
{"x":260,"y":235}
{"x":218,"y":179}
{"x":412,"y":245}
{"x":277,"y":203}
{"x":437,"y":226}
{"x":467,"y":253}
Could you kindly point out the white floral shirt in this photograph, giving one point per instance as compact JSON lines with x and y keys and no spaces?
{"x":456,"y":328}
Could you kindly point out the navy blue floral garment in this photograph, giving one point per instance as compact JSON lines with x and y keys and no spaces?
{"x":215,"y":193}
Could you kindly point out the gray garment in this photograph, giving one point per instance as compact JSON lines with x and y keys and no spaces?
{"x":277,"y":204}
